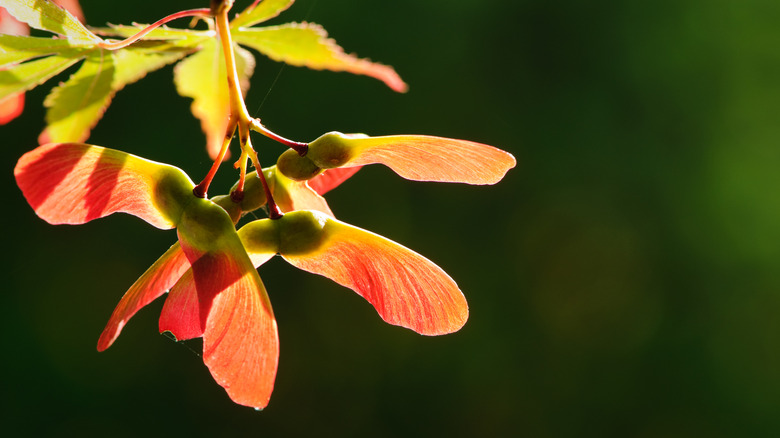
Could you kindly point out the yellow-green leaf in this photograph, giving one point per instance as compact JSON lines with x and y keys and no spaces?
{"x":17,"y":48}
{"x":257,"y":13}
{"x":45,"y":15}
{"x":134,"y":62}
{"x":308,"y":45}
{"x":75,"y":106}
{"x":203,"y":78}
{"x":23,"y":77}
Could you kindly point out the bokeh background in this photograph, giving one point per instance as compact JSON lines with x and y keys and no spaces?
{"x":623,"y":280}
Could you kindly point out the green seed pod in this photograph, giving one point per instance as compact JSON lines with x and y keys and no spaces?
{"x":254,"y":195}
{"x":301,"y":232}
{"x":331,"y":150}
{"x":232,"y":208}
{"x":172,"y":192}
{"x":296,"y":167}
{"x":204,"y":226}
{"x":260,"y":237}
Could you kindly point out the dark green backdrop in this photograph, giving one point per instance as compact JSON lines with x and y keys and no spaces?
{"x":623,"y":280}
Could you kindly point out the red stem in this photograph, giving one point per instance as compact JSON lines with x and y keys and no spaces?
{"x":203,"y":12}
{"x":201,"y":189}
{"x":301,"y":148}
{"x":274,"y":212}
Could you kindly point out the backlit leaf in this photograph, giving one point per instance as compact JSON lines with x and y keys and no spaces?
{"x":28,"y":75}
{"x":15,"y":48}
{"x":258,"y":13}
{"x":76,"y":105}
{"x":11,"y":107}
{"x":203,"y":78}
{"x":308,"y":45}
{"x":135,"y":62}
{"x":45,"y":15}
{"x":10,"y":25}
{"x":73,"y":7}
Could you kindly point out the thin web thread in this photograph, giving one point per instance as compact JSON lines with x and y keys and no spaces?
{"x":184,"y":344}
{"x":283,"y":66}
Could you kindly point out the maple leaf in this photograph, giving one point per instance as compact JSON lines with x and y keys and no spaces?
{"x":76,"y":105}
{"x":202,"y":76}
{"x":12,"y":105}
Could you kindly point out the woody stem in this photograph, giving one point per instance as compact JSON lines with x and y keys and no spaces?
{"x":238,"y":110}
{"x":237,"y":106}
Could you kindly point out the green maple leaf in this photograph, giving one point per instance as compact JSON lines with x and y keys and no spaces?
{"x":203,"y":77}
{"x":75,"y":106}
{"x":302,"y":45}
{"x":308,"y":45}
{"x":258,"y":13}
{"x":15,"y":48}
{"x":23,"y":77}
{"x":45,"y":15}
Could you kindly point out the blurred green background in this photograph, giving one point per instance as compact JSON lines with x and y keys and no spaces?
{"x":623,"y":280}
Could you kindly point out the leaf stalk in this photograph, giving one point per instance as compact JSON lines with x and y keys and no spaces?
{"x":301,"y":148}
{"x":203,"y":12}
{"x":201,"y":190}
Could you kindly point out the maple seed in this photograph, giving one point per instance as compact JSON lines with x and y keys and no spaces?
{"x":254,"y":195}
{"x":331,"y":150}
{"x":199,"y":191}
{"x":237,"y":196}
{"x":214,"y":290}
{"x":296,"y":167}
{"x":301,"y":232}
{"x":232,"y":208}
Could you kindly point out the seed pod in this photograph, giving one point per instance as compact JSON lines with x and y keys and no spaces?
{"x":331,"y":150}
{"x":296,"y":167}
